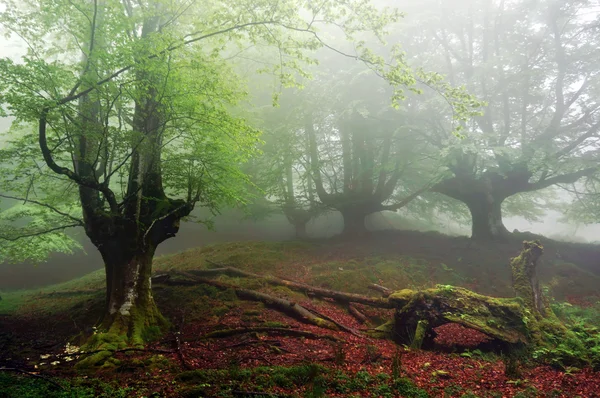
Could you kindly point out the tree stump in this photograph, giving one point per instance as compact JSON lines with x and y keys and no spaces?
{"x":524,"y":278}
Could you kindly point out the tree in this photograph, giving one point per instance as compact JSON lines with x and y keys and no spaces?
{"x":364,"y":157}
{"x":127,"y":107}
{"x":535,"y":64}
{"x":283,"y":171}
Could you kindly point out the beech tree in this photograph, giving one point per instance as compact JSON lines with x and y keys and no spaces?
{"x":364,"y":157}
{"x":124,"y":122}
{"x":282,"y":171}
{"x":536,"y":66}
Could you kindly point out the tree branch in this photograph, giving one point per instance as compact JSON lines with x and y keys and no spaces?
{"x":47,"y":154}
{"x":54,"y":209}
{"x":569,"y":178}
{"x":408,"y":199}
{"x":39,"y":233}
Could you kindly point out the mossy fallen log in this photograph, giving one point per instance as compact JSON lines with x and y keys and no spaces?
{"x":524,"y":320}
{"x":500,"y":318}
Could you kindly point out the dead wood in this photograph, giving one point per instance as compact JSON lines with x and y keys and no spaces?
{"x":339,"y":325}
{"x":355,"y":312}
{"x":268,"y":330}
{"x":382,"y":289}
{"x":252,"y":342}
{"x":283,"y":305}
{"x":307,"y":289}
{"x":178,"y":347}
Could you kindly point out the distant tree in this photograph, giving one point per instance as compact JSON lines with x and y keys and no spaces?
{"x":282,"y":171}
{"x":536,"y":64}
{"x":364,"y":156}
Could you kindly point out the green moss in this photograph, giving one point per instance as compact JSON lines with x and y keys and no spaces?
{"x":458,"y":305}
{"x":402,"y":296}
{"x":420,"y":332}
{"x":275,"y":324}
{"x":316,"y":379}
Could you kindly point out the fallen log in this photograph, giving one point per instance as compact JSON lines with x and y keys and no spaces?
{"x":419,"y":312}
{"x":307,"y":289}
{"x":381,"y":289}
{"x":339,"y":325}
{"x":362,"y":318}
{"x":283,"y":305}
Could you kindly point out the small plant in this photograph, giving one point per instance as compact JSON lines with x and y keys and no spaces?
{"x":339,"y":355}
{"x":512,"y":369}
{"x":396,"y":364}
{"x":372,"y":354}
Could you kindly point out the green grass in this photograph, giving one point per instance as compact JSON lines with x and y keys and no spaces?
{"x":54,"y":298}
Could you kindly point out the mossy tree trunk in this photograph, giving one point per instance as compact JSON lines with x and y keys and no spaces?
{"x":130,"y":307}
{"x":126,"y":231}
{"x":419,"y":312}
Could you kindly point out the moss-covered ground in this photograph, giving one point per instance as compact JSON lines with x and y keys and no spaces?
{"x":42,"y":322}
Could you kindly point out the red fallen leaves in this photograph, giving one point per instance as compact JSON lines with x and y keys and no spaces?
{"x":453,"y":334}
{"x":459,"y":373}
{"x":583,"y":302}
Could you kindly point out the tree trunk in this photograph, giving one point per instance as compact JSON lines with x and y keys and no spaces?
{"x":486,"y":214}
{"x":354,"y":222}
{"x":130,"y":308}
{"x":524,"y":278}
{"x":300,"y":228}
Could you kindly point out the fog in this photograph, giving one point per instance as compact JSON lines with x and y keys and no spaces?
{"x":348,"y":110}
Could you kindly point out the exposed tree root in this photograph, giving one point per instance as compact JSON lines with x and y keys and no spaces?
{"x":269,"y":330}
{"x":283,"y":305}
{"x":317,"y":291}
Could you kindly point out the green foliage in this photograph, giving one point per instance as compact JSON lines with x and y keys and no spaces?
{"x":121,"y":57}
{"x":317,"y":378}
{"x":13,"y":385}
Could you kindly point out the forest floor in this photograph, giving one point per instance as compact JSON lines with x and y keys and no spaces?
{"x":264,"y":359}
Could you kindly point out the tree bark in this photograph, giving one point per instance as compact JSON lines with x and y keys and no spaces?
{"x":486,"y":215}
{"x":524,"y":278}
{"x":130,"y":307}
{"x":484,"y":196}
{"x":354,"y":222}
{"x":300,"y":228}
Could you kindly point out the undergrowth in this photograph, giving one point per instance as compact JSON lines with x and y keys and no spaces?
{"x":310,"y":380}
{"x":16,"y":386}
